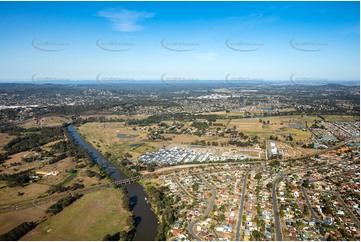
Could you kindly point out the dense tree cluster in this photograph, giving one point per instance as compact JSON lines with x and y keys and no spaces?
{"x":18,"y":179}
{"x":3,"y":157}
{"x":57,"y":158}
{"x":157,"y":135}
{"x":239,"y":143}
{"x":32,"y":140}
{"x":200,"y":125}
{"x":71,"y":148}
{"x":11,"y":129}
{"x":59,"y":188}
{"x":204,"y":143}
{"x":273,"y":137}
{"x":274,"y":163}
{"x":163,"y":205}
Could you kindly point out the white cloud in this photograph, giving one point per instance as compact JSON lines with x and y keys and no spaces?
{"x":209,"y":56}
{"x":126,"y":20}
{"x":251,"y":16}
{"x":351,"y":29}
{"x":251,"y":20}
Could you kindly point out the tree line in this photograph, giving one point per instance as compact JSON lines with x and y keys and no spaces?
{"x":18,"y":179}
{"x":18,"y":232}
{"x":63,"y":203}
{"x":163,"y":205}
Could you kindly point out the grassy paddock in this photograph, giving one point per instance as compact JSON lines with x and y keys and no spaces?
{"x":50,"y":121}
{"x":338,"y":118}
{"x":4,"y":139}
{"x":89,"y":218}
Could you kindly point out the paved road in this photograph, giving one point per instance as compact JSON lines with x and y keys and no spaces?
{"x":208,"y":210}
{"x":353,"y":217}
{"x":279,"y":235}
{"x":190,"y":229}
{"x":183,"y":189}
{"x":170,"y":169}
{"x":239,"y":224}
{"x":313,"y":214}
{"x":211,"y":199}
{"x":336,"y":175}
{"x":339,"y":198}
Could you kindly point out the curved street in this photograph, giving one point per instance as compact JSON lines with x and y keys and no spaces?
{"x":211,"y":199}
{"x":206,"y":213}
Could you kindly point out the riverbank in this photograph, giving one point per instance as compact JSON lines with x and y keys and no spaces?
{"x":146,"y":222}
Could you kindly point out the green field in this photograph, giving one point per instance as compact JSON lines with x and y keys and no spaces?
{"x":90,"y":218}
{"x":337,"y":118}
{"x":281,"y":125}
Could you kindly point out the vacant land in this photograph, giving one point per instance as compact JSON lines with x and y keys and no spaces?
{"x":113,"y":116}
{"x":282,"y":125}
{"x":90,"y":218}
{"x":10,"y":194}
{"x":16,"y":158}
{"x":10,"y":220}
{"x":4,"y":139}
{"x":242,"y":113}
{"x":337,"y":118}
{"x":67,"y":175}
{"x":104,"y":137}
{"x":292,"y":152}
{"x":50,"y":121}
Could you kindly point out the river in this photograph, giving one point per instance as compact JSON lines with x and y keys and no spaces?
{"x":145,"y":219}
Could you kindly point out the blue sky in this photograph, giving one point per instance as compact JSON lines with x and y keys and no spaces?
{"x":190,"y":40}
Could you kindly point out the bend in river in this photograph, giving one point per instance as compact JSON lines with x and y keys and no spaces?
{"x":145,"y":220}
